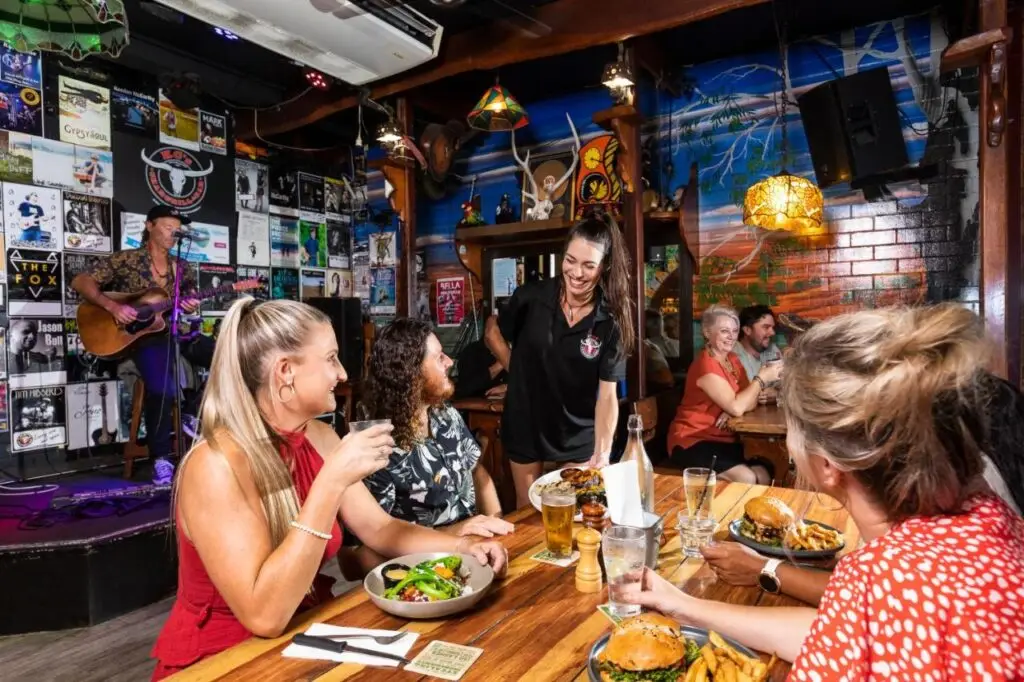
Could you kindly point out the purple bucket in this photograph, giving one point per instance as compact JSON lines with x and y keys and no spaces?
{"x":26,"y":499}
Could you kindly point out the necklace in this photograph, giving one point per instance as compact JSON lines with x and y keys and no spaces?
{"x":569,"y":311}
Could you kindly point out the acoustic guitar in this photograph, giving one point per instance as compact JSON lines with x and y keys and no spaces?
{"x":102,"y":436}
{"x":102,"y":336}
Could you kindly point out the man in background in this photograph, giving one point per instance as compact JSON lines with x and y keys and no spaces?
{"x":757,"y":338}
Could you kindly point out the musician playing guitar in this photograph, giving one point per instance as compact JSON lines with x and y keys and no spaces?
{"x":136,"y":270}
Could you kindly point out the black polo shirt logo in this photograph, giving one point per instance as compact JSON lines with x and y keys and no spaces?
{"x":590,"y":346}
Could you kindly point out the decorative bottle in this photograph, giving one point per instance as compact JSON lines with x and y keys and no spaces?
{"x":645,"y":470}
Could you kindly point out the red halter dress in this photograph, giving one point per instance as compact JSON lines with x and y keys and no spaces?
{"x":201,"y":623}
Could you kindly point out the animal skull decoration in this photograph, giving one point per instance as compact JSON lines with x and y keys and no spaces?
{"x":542,"y":208}
{"x":176,"y":175}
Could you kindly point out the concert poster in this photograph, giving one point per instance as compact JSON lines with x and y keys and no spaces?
{"x":53,"y":163}
{"x":132,"y":227}
{"x":339,"y":242}
{"x":4,"y":420}
{"x":35,"y":283}
{"x":15,"y":157}
{"x":210,"y":244}
{"x":212,"y":277}
{"x":213,"y":133}
{"x":361,"y":245}
{"x":94,"y":171}
{"x":339,"y":284}
{"x":312,"y":284}
{"x":251,"y":186}
{"x":245,"y":272}
{"x":94,"y":414}
{"x":451,"y":301}
{"x":134,"y":112}
{"x":87,"y":223}
{"x":284,"y":283}
{"x":382,"y":249}
{"x":84,"y":113}
{"x":35,"y":352}
{"x":313,"y":240}
{"x":178,"y":127}
{"x":21,"y":68}
{"x":336,"y":196}
{"x":284,"y":241}
{"x":361,"y":281}
{"x":21,"y":109}
{"x":74,"y":265}
{"x":382,"y":291}
{"x":252,"y":246}
{"x":39,"y":418}
{"x":311,"y":193}
{"x":33,"y":217}
{"x":284,"y":191}
{"x":82,"y":365}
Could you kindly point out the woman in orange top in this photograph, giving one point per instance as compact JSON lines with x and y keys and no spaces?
{"x":717,"y":388}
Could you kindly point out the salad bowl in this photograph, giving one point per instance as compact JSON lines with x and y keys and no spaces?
{"x":428,"y":585}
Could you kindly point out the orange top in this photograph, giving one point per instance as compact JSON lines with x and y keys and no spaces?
{"x":697,"y":413}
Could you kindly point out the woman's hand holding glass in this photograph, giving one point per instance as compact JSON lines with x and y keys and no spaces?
{"x":361,"y":453}
{"x":655,"y":593}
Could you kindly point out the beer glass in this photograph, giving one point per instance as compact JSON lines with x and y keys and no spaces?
{"x":558,"y":508}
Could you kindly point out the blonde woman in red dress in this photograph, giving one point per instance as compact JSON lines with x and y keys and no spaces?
{"x":885,"y":411}
{"x":261,"y":499}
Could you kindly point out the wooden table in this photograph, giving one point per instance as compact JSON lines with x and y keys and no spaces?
{"x":763,"y":434}
{"x":483,"y":417}
{"x":533,"y":625}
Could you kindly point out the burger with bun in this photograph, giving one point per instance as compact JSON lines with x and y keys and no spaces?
{"x":766,"y":520}
{"x":647,"y":648}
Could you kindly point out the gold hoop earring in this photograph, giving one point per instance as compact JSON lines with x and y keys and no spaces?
{"x":279,"y":391}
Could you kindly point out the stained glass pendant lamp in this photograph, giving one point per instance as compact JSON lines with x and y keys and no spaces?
{"x":74,"y":28}
{"x":497,"y":110}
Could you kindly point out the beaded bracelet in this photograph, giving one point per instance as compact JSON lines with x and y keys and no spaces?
{"x":307,"y":529}
{"x":760,"y":382}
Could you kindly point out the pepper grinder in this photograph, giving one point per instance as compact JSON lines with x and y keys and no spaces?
{"x":588,"y":570}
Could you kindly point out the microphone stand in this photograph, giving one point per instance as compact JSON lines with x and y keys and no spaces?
{"x":176,"y":341}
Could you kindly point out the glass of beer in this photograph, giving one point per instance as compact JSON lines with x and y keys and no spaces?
{"x":558,"y":507}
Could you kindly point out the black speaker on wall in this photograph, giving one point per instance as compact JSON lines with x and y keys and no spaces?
{"x":347,"y":318}
{"x":853,"y":129}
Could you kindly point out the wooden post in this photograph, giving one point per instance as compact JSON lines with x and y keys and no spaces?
{"x":401,"y":175}
{"x":625,"y":122}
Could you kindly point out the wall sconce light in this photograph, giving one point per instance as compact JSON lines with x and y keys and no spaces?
{"x":618,"y":78}
{"x":389,"y":134}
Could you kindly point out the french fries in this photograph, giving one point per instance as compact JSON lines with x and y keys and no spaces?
{"x":720,"y":662}
{"x":812,"y":537}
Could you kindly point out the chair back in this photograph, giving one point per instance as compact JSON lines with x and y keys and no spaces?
{"x":647,"y":408}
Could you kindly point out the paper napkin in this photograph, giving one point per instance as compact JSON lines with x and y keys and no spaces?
{"x":622,"y":489}
{"x":399,"y":648}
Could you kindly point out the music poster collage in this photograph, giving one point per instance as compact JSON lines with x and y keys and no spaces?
{"x":307,"y":235}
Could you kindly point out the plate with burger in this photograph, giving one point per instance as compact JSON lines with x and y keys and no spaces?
{"x":770,"y":527}
{"x":653,"y":648}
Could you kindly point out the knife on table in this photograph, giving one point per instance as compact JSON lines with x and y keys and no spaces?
{"x":326,"y":644}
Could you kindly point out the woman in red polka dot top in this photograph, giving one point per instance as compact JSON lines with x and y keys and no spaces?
{"x":885,"y":412}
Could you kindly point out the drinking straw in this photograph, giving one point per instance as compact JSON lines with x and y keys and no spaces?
{"x":707,"y":478}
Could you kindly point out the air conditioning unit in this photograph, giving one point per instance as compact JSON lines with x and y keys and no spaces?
{"x":356,"y":41}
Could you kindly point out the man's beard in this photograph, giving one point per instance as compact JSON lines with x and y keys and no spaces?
{"x":436,"y":391}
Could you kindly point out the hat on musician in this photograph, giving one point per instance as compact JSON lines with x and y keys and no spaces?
{"x":162,"y":211}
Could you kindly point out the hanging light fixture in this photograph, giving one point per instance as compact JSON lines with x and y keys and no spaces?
{"x":784,"y":202}
{"x":618,"y":77}
{"x":74,"y":28}
{"x":497,"y":110}
{"x":389,"y":133}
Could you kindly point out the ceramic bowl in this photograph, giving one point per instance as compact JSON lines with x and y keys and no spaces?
{"x":480,"y":579}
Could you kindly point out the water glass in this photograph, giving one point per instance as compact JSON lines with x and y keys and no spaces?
{"x":699,"y":486}
{"x":558,"y":509}
{"x":694,"y":533}
{"x":355,"y":427}
{"x":625,"y":550}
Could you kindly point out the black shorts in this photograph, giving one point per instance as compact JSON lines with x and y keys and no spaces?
{"x":725,"y":456}
{"x":572,"y":458}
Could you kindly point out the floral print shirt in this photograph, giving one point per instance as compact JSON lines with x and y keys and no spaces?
{"x":128,"y":272}
{"x":431,"y":484}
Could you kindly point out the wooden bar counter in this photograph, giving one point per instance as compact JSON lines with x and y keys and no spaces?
{"x":763,"y":434}
{"x":534,"y":625}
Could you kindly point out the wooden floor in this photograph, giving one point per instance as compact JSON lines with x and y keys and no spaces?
{"x":115,"y":651}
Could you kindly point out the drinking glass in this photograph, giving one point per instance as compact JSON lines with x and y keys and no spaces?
{"x":694,"y":533}
{"x":557,"y":509}
{"x":355,"y":427}
{"x":699,"y":486}
{"x":625,"y":550}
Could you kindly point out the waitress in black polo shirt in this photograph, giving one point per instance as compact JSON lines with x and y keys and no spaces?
{"x":564,"y":342}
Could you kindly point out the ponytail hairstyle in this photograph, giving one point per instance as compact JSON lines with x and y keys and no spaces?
{"x":598,"y":227}
{"x":897,"y":399}
{"x":253,"y":333}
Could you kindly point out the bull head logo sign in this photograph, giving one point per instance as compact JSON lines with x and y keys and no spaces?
{"x":176,"y":178}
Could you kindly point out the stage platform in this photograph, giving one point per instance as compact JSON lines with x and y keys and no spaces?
{"x":83,"y":550}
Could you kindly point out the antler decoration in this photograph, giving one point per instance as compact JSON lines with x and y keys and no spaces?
{"x":542,"y":208}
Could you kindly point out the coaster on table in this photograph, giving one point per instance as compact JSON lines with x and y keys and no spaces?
{"x":546,"y":557}
{"x":444,"y":660}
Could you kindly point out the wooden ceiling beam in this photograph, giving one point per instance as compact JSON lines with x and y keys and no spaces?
{"x":576,"y":25}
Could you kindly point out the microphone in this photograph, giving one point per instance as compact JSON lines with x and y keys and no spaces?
{"x":183,"y":234}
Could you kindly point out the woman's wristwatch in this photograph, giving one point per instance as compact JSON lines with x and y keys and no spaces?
{"x":768,"y":579}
